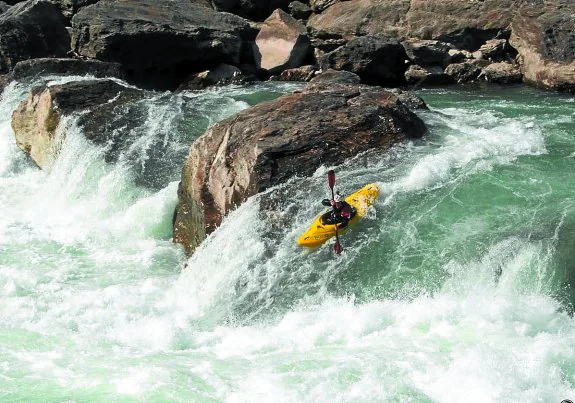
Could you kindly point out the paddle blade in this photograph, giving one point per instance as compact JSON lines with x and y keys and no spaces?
{"x":337,"y":248}
{"x":331,"y":178}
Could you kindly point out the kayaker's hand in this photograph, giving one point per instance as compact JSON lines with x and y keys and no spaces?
{"x":332,"y":202}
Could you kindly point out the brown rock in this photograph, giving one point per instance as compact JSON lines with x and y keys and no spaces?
{"x":467,"y":24}
{"x":349,"y":19}
{"x":324,"y":124}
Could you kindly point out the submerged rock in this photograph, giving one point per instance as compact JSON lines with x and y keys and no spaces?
{"x":327,"y":122}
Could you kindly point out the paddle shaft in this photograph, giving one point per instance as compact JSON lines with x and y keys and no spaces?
{"x":331,"y":184}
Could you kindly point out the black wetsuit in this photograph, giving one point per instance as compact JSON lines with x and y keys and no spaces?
{"x":335,"y":216}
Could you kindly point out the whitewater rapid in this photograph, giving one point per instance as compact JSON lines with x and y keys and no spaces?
{"x":450,"y":290}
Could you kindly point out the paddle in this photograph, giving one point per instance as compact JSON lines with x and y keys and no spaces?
{"x":331,"y":183}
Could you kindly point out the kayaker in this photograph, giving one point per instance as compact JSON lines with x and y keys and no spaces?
{"x":341,"y":213}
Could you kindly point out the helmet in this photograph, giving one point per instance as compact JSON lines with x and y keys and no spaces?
{"x":338,"y":197}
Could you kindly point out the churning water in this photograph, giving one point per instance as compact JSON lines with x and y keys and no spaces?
{"x":457,"y":287}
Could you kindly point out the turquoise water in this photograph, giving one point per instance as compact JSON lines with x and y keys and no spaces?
{"x":457,"y":286}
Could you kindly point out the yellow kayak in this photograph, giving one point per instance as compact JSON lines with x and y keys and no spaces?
{"x":319,"y":233}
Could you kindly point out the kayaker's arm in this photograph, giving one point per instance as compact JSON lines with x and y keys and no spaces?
{"x":326,"y":202}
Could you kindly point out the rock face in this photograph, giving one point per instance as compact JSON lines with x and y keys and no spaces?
{"x":541,"y":31}
{"x":349,"y":19}
{"x":543,"y":36}
{"x":330,"y":120}
{"x":430,"y":75}
{"x":463,"y":23}
{"x":282,"y":43}
{"x":463,"y":72}
{"x":460,"y":22}
{"x":159,"y":43}
{"x":36,"y":118}
{"x":32,"y":29}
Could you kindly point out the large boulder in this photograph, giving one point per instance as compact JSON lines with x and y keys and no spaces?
{"x":282,"y":43}
{"x":328,"y":121}
{"x":32,"y":29}
{"x":160,"y":43}
{"x":377,"y":59}
{"x":36,"y":119}
{"x":543,"y":36}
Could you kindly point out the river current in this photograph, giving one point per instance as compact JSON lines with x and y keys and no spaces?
{"x":458,"y":286}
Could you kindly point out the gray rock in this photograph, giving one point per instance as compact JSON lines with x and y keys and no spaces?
{"x":303,"y":73}
{"x":71,"y":7}
{"x":4,"y":7}
{"x":377,"y":59}
{"x":58,"y":66}
{"x":160,"y":43}
{"x":32,"y":29}
{"x":319,"y":5}
{"x":299,"y":10}
{"x":427,"y":52}
{"x":463,"y":72}
{"x":429,"y":75}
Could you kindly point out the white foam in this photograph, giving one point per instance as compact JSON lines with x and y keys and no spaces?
{"x":473,"y":145}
